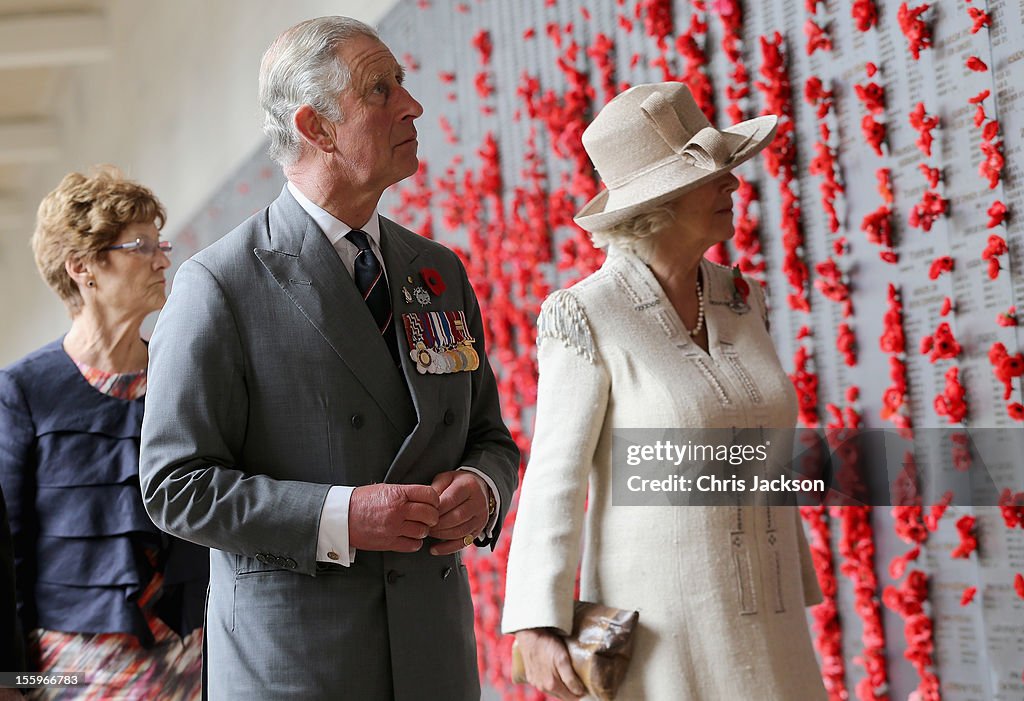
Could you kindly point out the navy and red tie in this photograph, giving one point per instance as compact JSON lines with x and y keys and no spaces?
{"x":370,"y":280}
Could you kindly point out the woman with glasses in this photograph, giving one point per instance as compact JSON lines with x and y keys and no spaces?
{"x":101,"y":592}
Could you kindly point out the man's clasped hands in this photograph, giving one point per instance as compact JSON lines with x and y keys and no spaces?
{"x":398,"y":517}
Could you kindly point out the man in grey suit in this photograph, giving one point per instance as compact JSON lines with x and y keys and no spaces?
{"x":321,"y":412}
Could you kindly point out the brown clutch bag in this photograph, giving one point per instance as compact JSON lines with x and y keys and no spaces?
{"x":600,"y":646}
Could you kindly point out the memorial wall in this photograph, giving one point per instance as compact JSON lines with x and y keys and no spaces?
{"x":882,"y":222}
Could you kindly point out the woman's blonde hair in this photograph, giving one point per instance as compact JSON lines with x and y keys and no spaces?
{"x":84,"y":215}
{"x":638,"y":234}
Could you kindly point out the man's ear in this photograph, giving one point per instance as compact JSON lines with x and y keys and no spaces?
{"x":314,"y":129}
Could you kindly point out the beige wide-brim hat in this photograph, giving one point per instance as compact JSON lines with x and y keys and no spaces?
{"x":652,"y":143}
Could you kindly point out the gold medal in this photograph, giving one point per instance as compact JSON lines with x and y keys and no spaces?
{"x":473,"y":359}
{"x":467,"y":353}
{"x":461,"y":361}
{"x":421,"y":356}
{"x":458,"y":362}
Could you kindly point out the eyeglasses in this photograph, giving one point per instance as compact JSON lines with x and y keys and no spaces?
{"x":147,"y":247}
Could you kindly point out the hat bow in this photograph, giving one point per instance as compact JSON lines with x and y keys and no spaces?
{"x":708,"y":149}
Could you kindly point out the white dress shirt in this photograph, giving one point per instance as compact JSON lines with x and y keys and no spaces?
{"x":332,"y":540}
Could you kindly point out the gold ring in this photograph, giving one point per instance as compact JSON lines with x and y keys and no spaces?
{"x":468,"y":540}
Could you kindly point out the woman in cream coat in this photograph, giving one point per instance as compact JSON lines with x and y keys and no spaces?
{"x":659,"y":337}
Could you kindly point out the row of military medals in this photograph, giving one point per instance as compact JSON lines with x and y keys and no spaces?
{"x":440,"y":342}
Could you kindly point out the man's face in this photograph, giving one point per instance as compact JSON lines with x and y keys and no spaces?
{"x":376,"y":138}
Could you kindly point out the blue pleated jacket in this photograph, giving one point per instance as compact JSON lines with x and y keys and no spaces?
{"x":69,"y":469}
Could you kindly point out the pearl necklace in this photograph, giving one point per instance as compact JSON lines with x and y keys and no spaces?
{"x":700,"y":310}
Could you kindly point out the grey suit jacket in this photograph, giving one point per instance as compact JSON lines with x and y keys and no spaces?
{"x":268,"y":384}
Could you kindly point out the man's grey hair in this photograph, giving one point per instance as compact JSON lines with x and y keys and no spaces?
{"x":302,"y":67}
{"x":638,"y":234}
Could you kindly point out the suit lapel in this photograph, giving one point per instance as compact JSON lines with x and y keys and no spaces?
{"x":308,"y":269}
{"x":401,"y":261}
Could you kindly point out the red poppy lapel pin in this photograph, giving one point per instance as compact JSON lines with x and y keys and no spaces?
{"x":740,"y":292}
{"x":433,"y":280}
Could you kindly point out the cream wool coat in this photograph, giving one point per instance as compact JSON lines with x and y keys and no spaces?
{"x":721,"y":591}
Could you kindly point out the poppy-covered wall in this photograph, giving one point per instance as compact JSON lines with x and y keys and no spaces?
{"x":881,"y":221}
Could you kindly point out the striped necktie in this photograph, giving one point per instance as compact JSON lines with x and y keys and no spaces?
{"x":370,"y":280}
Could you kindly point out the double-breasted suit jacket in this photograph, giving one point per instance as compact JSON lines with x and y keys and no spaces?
{"x":269,"y":382}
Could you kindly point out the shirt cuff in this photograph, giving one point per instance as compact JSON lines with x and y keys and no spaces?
{"x":332,"y":540}
{"x":493,"y":520}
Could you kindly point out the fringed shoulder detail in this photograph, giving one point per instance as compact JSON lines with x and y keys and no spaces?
{"x":760,"y":295}
{"x":562,"y":318}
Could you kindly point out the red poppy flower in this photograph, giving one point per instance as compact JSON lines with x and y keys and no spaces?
{"x":893,"y":398}
{"x":1009,"y":503}
{"x":884,"y":178}
{"x":996,"y":352}
{"x":924,"y":213}
{"x":951,"y":403}
{"x":817,"y":37}
{"x":991,"y":130}
{"x":1016,"y":411}
{"x":953,"y":387}
{"x":898,"y":565}
{"x":846,"y":342}
{"x":815,"y":92}
{"x":980,"y":19}
{"x":1007,"y":318}
{"x":946,"y":345}
{"x":874,"y":133}
{"x":979,"y":116}
{"x":942,"y":264}
{"x":740,"y":286}
{"x":932,"y":175}
{"x":996,"y":213}
{"x":917,"y":32}
{"x":968,"y":541}
{"x":892,"y":342}
{"x":1012,"y":365}
{"x":996,"y":247}
{"x":872,"y":95}
{"x":483,"y":44}
{"x":992,"y":166}
{"x":923,"y":123}
{"x":976,"y":64}
{"x":432,"y":279}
